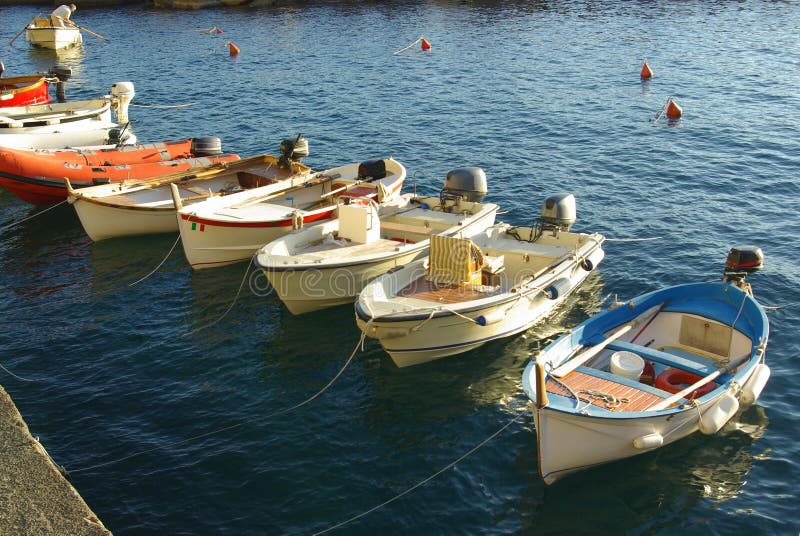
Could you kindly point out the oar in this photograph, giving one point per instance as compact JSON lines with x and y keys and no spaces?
{"x":87,"y":30}
{"x":23,"y":29}
{"x":585,"y":356}
{"x":667,"y":402}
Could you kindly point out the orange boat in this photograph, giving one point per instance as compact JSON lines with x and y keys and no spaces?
{"x":39,"y":179}
{"x":24,"y":90}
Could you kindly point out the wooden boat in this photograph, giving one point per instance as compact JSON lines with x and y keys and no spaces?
{"x":146,"y":207}
{"x":228,"y":229}
{"x":76,"y":124}
{"x":42,"y":189}
{"x":594,"y":391}
{"x":328,"y":264}
{"x":473,"y":290}
{"x":24,"y":90}
{"x":45,"y":32}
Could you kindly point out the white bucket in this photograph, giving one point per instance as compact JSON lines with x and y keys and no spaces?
{"x":627,"y":364}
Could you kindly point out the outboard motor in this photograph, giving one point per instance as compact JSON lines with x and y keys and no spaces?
{"x":122,"y":93}
{"x":467,"y":183}
{"x":61,"y":74}
{"x":206,"y":146}
{"x":743,"y":260}
{"x":558,"y":212}
{"x":372,"y":170}
{"x":293,"y":150}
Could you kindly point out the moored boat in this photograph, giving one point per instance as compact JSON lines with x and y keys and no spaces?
{"x":650,"y":371}
{"x":229,"y":229}
{"x":328,"y":264}
{"x":24,"y":90}
{"x":69,"y":124}
{"x":473,"y":290}
{"x":147,"y":206}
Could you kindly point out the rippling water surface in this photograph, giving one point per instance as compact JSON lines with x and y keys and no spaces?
{"x":125,"y":384}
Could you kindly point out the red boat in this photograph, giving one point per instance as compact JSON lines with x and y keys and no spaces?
{"x":24,"y":90}
{"x":39,"y":179}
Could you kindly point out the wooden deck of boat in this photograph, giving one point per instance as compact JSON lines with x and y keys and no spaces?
{"x":320,"y":249}
{"x":422,"y":289}
{"x":579,"y":383}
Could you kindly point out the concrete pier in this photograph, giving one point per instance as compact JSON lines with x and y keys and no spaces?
{"x":34,"y":497}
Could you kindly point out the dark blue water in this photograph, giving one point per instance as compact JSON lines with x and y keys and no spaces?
{"x":170,"y":413}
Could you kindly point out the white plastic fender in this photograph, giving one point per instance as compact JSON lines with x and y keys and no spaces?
{"x":492,"y":317}
{"x":649,"y":441}
{"x":721,"y":412}
{"x":752,"y":389}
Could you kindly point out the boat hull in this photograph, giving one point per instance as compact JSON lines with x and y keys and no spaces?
{"x":54,"y":38}
{"x":23,"y":91}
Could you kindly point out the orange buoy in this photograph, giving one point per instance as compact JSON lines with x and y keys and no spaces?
{"x":673,"y":110}
{"x":647,"y":72}
{"x":426,"y":45}
{"x":233,"y":48}
{"x":219,"y":30}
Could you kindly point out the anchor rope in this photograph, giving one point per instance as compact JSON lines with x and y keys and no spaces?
{"x":425,"y":480}
{"x":154,"y":270}
{"x":232,"y":426}
{"x":48,"y":209}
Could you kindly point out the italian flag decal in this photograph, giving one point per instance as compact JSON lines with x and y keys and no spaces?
{"x":202,"y":226}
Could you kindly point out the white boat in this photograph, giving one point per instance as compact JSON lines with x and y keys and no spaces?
{"x":650,"y":371}
{"x":139,"y":207}
{"x":473,"y":290}
{"x":47,"y":32}
{"x":69,"y":124}
{"x":328,"y":264}
{"x":229,"y":229}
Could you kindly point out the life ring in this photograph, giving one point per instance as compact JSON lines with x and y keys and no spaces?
{"x":674,"y":380}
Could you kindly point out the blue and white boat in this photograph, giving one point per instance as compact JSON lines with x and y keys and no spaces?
{"x":649,"y":372}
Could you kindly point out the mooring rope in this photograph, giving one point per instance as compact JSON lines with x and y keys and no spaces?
{"x":48,"y":209}
{"x":633,"y":239}
{"x":409,"y":46}
{"x":15,"y":376}
{"x":163,"y":106}
{"x":426,"y":480}
{"x":160,"y":264}
{"x":232,"y":426}
{"x":235,"y":298}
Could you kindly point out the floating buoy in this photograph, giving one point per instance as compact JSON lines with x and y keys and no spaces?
{"x":425,"y":44}
{"x":219,"y":30}
{"x":233,"y":49}
{"x":647,"y":72}
{"x":673,"y":110}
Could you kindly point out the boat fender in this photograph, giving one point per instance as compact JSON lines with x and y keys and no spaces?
{"x":753,"y":387}
{"x":648,"y":441}
{"x":592,"y":260}
{"x":721,"y":412}
{"x":492,"y":317}
{"x":557,"y":288}
{"x":675,"y":380}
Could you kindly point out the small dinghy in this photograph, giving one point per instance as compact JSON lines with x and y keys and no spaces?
{"x":69,"y":124}
{"x":473,"y":290}
{"x":649,"y":372}
{"x":328,"y":264}
{"x":232,"y":228}
{"x":52,"y":33}
{"x":147,"y":206}
{"x":39,"y":178}
{"x":24,"y":90}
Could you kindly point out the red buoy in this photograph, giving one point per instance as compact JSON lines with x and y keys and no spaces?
{"x":673,"y":110}
{"x":647,"y":72}
{"x":219,"y":31}
{"x":233,"y":49}
{"x":426,"y":45}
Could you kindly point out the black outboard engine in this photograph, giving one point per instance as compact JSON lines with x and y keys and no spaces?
{"x":206,"y":146}
{"x":743,"y":260}
{"x":372,"y":170}
{"x":467,"y":183}
{"x":62,"y":74}
{"x":293,"y":150}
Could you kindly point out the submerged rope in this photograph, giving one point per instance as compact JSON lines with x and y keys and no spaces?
{"x":154,"y":270}
{"x":232,"y":426}
{"x":14,"y":375}
{"x":228,"y":310}
{"x":426,"y":480}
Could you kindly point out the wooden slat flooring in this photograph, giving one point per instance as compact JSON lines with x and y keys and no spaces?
{"x":638,"y":400}
{"x":422,"y":289}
